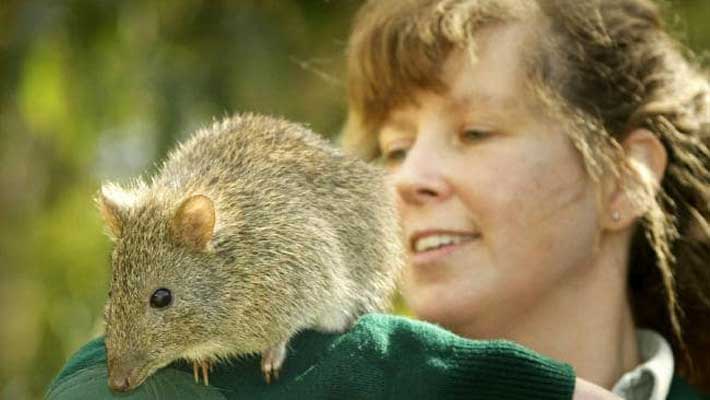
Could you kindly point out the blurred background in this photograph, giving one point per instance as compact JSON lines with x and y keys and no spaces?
{"x":97,"y":89}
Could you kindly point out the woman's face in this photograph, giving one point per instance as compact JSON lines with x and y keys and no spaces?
{"x":497,"y":208}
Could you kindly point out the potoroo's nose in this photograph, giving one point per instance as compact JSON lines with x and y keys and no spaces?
{"x":118,"y":383}
{"x":122,"y":374}
{"x":123,"y":369}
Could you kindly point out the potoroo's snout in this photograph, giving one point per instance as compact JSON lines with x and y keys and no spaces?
{"x":119,"y":383}
{"x":125,"y":372}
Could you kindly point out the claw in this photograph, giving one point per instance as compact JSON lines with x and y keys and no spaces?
{"x":205,"y":370}
{"x":205,"y":367}
{"x":267,"y":376}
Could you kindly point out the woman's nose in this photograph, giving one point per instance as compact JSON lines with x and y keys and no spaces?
{"x":419,"y":180}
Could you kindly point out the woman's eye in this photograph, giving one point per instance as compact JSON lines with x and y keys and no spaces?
{"x":474,"y":135}
{"x":161,"y":298}
{"x":393,"y":157}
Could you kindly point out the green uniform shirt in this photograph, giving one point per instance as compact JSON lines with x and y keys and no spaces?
{"x":381,"y":357}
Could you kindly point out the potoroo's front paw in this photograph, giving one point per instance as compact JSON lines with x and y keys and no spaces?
{"x":271,"y":361}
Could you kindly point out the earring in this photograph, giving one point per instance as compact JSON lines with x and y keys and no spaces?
{"x":615,"y":216}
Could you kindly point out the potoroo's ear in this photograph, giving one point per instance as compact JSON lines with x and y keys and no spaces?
{"x":193,"y":222}
{"x":113,"y":202}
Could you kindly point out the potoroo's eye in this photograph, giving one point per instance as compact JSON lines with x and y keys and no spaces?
{"x":161,"y":298}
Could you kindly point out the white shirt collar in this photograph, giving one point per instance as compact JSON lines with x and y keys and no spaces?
{"x":650,"y":380}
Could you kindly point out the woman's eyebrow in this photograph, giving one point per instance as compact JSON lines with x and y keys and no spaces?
{"x":399,"y":125}
{"x":486,"y":103}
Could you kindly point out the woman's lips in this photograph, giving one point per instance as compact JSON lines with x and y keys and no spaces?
{"x":430,"y":246}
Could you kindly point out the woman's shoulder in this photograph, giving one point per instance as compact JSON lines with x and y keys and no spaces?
{"x":681,"y":390}
{"x":85,"y":376}
{"x":382,"y":356}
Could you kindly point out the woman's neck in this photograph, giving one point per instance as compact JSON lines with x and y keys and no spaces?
{"x":587,"y":322}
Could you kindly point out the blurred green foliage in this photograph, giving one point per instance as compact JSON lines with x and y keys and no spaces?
{"x":97,"y":89}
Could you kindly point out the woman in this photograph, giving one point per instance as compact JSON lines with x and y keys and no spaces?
{"x":551,"y":159}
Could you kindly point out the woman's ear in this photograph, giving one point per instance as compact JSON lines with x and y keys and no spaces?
{"x":637,"y":184}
